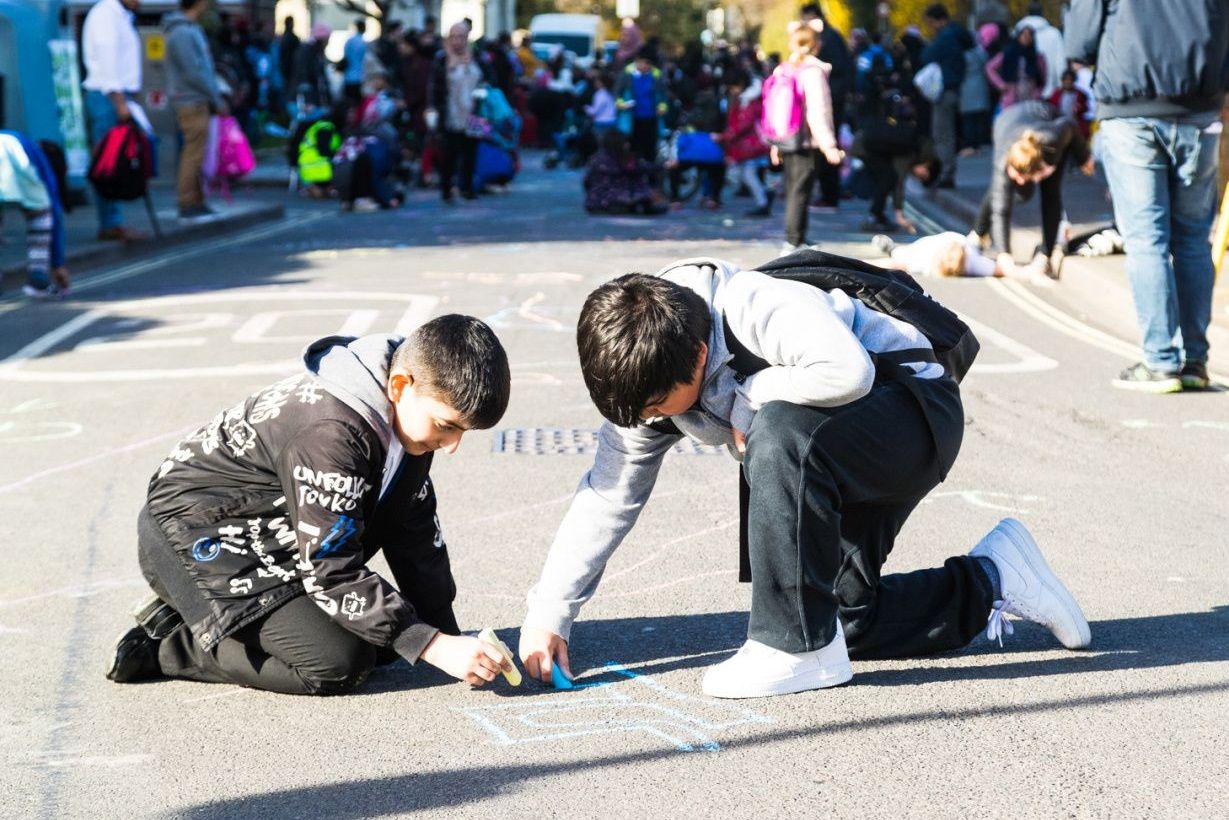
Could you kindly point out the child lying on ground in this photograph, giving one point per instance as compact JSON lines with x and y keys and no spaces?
{"x":950,"y":254}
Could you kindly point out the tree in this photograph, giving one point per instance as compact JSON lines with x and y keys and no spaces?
{"x":378,"y":10}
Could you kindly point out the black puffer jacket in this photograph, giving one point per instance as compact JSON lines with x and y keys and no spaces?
{"x":290,"y":492}
{"x":1153,"y":58}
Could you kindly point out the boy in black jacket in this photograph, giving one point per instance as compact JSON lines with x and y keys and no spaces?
{"x":258,"y":527}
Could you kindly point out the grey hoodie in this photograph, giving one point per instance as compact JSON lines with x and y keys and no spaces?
{"x":190,"y":76}
{"x":816,"y":343}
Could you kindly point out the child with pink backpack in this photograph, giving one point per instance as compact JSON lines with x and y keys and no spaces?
{"x":797,"y":124}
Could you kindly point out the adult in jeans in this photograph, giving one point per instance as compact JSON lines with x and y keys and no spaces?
{"x":111,"y":51}
{"x":1033,"y":145}
{"x":192,"y":87}
{"x":817,"y":135}
{"x":455,"y":77}
{"x":951,"y":41}
{"x":1159,"y":92}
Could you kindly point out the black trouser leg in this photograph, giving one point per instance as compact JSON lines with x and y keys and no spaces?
{"x":1051,"y":189}
{"x":829,"y":490}
{"x":883,"y":177}
{"x":981,"y":225}
{"x":644,"y":139}
{"x":799,"y":172}
{"x":296,"y":649}
{"x":467,"y":157}
{"x":449,"y":151}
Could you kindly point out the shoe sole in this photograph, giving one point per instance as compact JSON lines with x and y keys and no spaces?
{"x":1157,"y":388}
{"x":1195,"y":383}
{"x":1027,"y":547}
{"x":833,"y":676}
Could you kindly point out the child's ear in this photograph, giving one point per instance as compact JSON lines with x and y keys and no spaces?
{"x":397,"y":383}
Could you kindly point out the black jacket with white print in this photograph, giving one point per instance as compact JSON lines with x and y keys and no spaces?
{"x":293,"y":490}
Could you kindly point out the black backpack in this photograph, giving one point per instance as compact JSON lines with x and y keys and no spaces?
{"x":891,"y":292}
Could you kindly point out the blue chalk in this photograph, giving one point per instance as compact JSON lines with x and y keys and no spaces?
{"x":559,"y":679}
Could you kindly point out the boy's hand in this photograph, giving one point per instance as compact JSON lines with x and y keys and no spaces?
{"x":465,"y":658}
{"x":740,"y":441}
{"x":1089,"y":167}
{"x":538,"y":648}
{"x":774,"y":155}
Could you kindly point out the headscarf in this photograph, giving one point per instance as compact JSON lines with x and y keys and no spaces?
{"x":630,"y":40}
{"x":462,"y":56}
{"x":987,"y":34}
{"x":1012,"y":55}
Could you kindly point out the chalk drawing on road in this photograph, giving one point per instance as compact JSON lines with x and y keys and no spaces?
{"x":555,"y":441}
{"x":14,"y":432}
{"x":76,"y":758}
{"x":526,"y":315}
{"x":170,"y":331}
{"x":25,"y":430}
{"x":516,"y":279}
{"x":1026,"y":360}
{"x":638,"y":705}
{"x":1002,"y":502}
{"x":87,"y":590}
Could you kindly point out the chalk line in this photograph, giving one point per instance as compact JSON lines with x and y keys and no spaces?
{"x":83,"y":462}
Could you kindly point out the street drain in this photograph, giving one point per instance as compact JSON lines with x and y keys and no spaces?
{"x":555,"y":441}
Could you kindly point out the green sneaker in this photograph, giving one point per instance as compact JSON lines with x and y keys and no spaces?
{"x":1141,"y":378}
{"x":1194,"y":376}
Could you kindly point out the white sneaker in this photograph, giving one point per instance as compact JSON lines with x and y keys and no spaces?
{"x":789,"y":248}
{"x":759,"y":671}
{"x":1029,"y":588}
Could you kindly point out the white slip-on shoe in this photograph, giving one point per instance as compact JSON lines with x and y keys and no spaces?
{"x":1029,"y":588}
{"x":759,"y":671}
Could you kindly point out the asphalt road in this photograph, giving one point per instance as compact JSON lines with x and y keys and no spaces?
{"x":1125,"y":493}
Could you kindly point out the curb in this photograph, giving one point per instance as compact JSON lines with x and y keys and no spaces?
{"x":93,"y":254}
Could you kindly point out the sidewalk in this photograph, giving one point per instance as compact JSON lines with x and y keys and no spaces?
{"x":81,"y":227}
{"x":1093,"y":289}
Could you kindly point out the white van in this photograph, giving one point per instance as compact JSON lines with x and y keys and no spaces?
{"x":580,"y":34}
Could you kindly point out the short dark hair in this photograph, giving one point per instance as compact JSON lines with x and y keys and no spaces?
{"x":360,"y":25}
{"x":812,"y":8}
{"x":459,"y":360}
{"x":646,"y":53}
{"x":936,"y":11}
{"x":639,"y":337}
{"x":187,"y":5}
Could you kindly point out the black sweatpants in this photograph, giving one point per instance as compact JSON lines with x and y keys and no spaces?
{"x":799,"y":168}
{"x":644,"y":139}
{"x":458,"y":153}
{"x":830,"y":488}
{"x":296,"y":649}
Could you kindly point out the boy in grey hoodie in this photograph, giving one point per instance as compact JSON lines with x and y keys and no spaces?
{"x":836,"y":448}
{"x":258,"y":527}
{"x":193,"y":89}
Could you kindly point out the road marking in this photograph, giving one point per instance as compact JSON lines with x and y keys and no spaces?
{"x":417,"y":312}
{"x":1002,"y":502}
{"x":137,"y":268}
{"x":1028,"y":360}
{"x":1067,"y":324}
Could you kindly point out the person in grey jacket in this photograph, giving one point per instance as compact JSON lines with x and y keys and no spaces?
{"x":836,"y":452}
{"x":192,"y":87}
{"x":1159,"y":91}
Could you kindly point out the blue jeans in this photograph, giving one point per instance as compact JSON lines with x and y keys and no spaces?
{"x":101,"y":115}
{"x":1162,"y":174}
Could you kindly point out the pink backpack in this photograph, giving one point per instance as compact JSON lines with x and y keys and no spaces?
{"x":784,"y":109}
{"x":228,"y":156}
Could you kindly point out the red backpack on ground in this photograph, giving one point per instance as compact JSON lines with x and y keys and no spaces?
{"x":123,"y":163}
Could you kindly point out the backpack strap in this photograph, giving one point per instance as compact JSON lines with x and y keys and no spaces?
{"x":745,"y":363}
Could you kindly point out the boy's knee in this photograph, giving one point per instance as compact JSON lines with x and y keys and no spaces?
{"x":773,"y":434}
{"x":340,"y":673}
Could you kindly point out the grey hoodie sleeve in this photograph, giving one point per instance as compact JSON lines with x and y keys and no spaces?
{"x":815,"y":359}
{"x":1083,"y":26}
{"x":605,"y":507}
